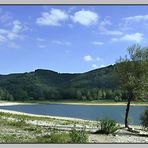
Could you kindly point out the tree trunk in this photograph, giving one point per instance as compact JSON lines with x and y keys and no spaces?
{"x":127,"y":112}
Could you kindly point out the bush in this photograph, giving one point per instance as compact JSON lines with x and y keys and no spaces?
{"x":78,"y":136}
{"x":144,"y":119}
{"x":43,"y":139}
{"x":59,"y":137}
{"x":117,"y":99}
{"x":108,"y":126}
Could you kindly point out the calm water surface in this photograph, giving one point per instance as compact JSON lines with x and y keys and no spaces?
{"x":81,"y":111}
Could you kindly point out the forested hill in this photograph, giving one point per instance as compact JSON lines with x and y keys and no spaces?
{"x":46,"y":84}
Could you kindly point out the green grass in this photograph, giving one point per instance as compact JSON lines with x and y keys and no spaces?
{"x":16,"y":128}
{"x":78,"y":136}
{"x":108,"y":126}
{"x":59,"y":137}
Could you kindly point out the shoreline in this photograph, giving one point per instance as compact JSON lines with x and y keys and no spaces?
{"x":58,"y":117}
{"x":47,"y":116}
{"x":7,"y":103}
{"x":104,"y":104}
{"x":122,"y":136}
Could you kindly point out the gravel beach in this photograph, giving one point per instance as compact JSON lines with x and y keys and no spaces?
{"x":122,"y":136}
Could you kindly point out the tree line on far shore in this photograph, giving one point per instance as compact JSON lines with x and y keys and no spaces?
{"x":116,"y":82}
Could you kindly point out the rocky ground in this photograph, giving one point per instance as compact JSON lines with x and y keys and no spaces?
{"x":24,"y":128}
{"x":123,"y":136}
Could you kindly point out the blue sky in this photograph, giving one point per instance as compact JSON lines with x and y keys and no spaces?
{"x":68,"y":38}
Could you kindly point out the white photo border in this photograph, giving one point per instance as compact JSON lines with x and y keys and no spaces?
{"x":74,"y":2}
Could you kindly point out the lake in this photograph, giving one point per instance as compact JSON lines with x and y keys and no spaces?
{"x":90,"y":112}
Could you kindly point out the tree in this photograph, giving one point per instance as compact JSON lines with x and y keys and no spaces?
{"x":132,"y":73}
{"x":99,"y":94}
{"x":79,"y":94}
{"x":5,"y":95}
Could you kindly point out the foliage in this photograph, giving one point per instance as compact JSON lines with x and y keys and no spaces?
{"x":132,"y":75}
{"x":17,"y":128}
{"x":78,"y":136}
{"x":132,"y":72}
{"x":108,"y":126}
{"x":99,"y":84}
{"x":43,"y":139}
{"x":5,"y":95}
{"x":117,"y":99}
{"x":49,"y":85}
{"x":57,"y":137}
{"x":144,"y":119}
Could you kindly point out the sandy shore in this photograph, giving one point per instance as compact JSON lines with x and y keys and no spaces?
{"x":3,"y":103}
{"x":6,"y":103}
{"x":123,"y":136}
{"x":53,"y":117}
{"x":106,"y":104}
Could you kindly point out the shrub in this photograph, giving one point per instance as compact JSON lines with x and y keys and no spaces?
{"x":78,"y":136}
{"x":144,"y":119}
{"x":59,"y":137}
{"x":43,"y":139}
{"x":108,"y":126}
{"x":117,"y":99}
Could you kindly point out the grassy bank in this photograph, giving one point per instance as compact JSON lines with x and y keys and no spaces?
{"x":21,"y":128}
{"x":26,"y":128}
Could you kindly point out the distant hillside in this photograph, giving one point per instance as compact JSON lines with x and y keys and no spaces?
{"x":46,"y":84}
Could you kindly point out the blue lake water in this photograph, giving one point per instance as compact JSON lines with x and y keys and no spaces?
{"x":81,"y":111}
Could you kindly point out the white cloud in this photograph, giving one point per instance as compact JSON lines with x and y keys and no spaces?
{"x":136,"y":18}
{"x":97,"y":43}
{"x":3,"y":31}
{"x":2,"y":39}
{"x":85,"y":17}
{"x":115,"y":39}
{"x":16,"y":26}
{"x":105,"y":22}
{"x":13,"y":45}
{"x":94,"y":66}
{"x":71,"y":9}
{"x":113,"y":32}
{"x":98,"y":59}
{"x":136,"y":37}
{"x":15,"y":32}
{"x":41,"y":46}
{"x":106,"y":31}
{"x":57,"y":42}
{"x":40,"y":39}
{"x":101,"y":66}
{"x":87,"y":58}
{"x":7,"y":36}
{"x":12,"y":35}
{"x":5,"y":17}
{"x":54,"y":18}
{"x":67,"y":43}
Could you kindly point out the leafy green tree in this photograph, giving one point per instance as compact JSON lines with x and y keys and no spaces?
{"x":103,"y":94}
{"x":5,"y":95}
{"x":132,"y":73}
{"x":99,"y":94}
{"x":79,"y":94}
